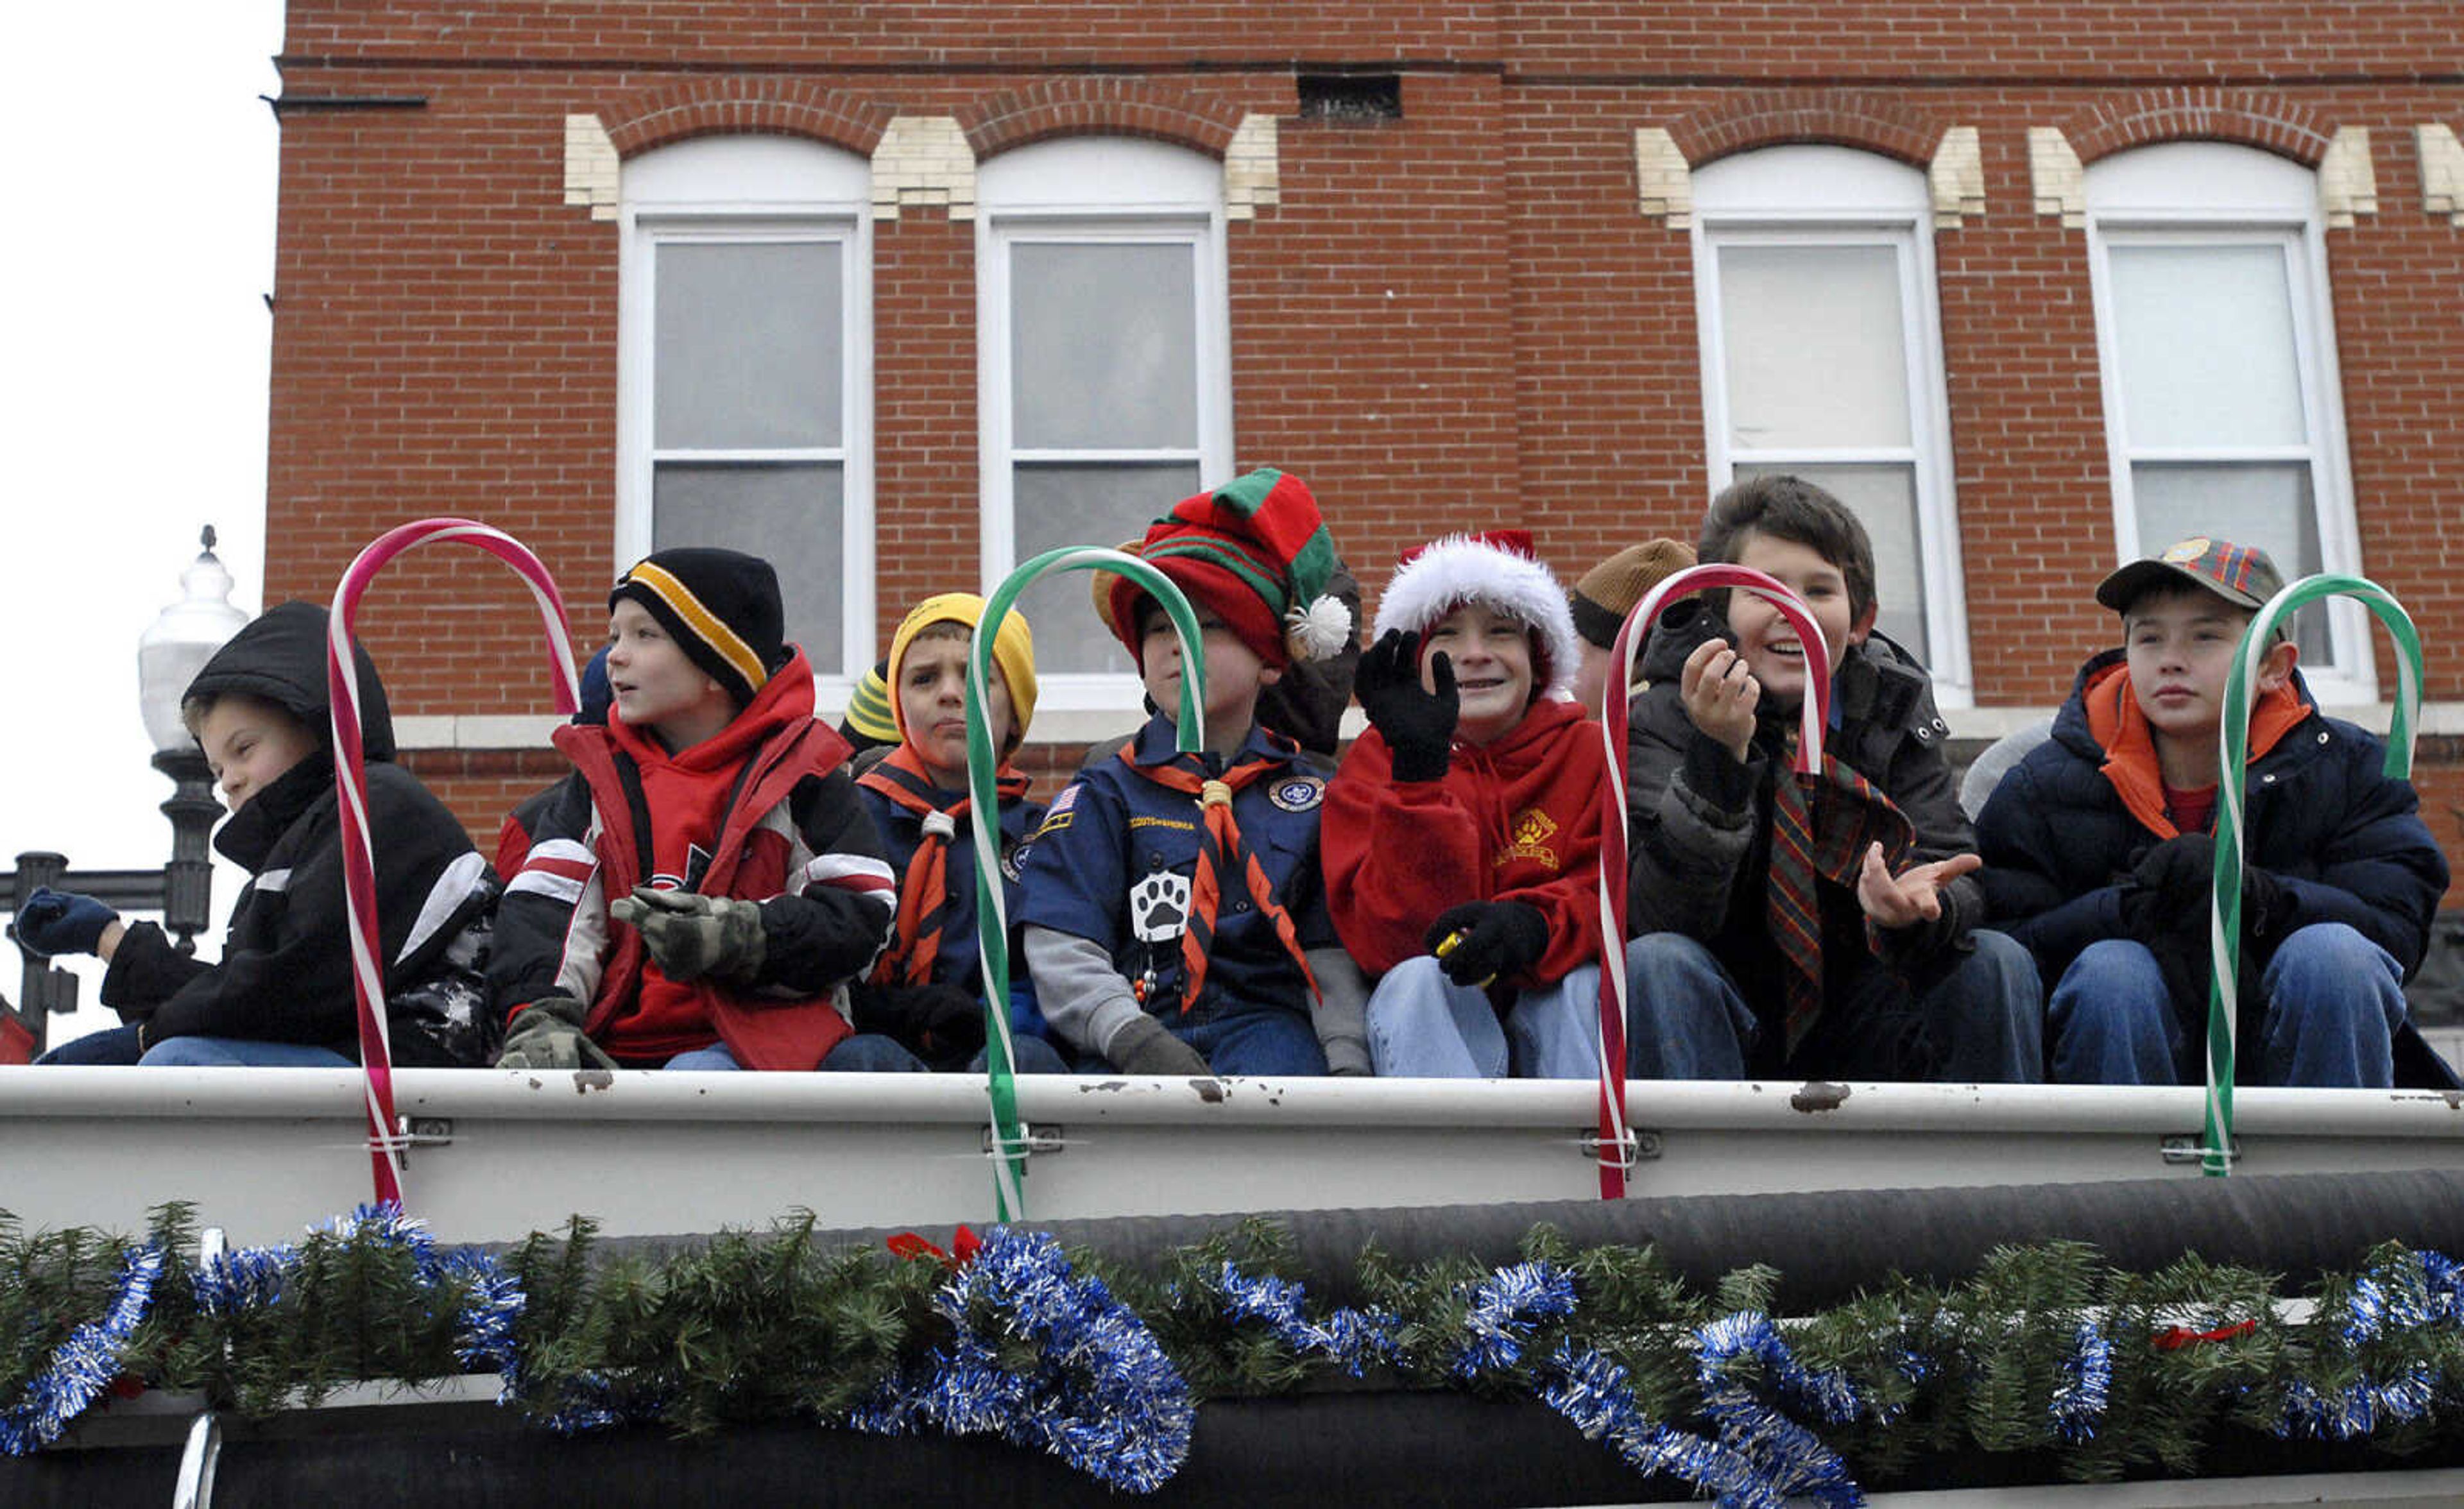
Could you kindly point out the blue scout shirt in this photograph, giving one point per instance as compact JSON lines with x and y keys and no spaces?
{"x":959,"y":962}
{"x":1112,"y":864}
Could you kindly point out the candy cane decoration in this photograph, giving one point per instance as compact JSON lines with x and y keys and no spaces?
{"x":1616,"y":1154}
{"x":983,"y":817}
{"x":2224,"y":912}
{"x":351,"y":788}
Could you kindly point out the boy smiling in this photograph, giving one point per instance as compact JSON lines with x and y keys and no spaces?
{"x":1790,"y":925}
{"x":1462,"y":831}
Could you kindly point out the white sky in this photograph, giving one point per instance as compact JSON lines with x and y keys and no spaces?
{"x":134,"y":348}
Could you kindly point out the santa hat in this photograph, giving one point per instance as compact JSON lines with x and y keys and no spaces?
{"x":1497,"y":570}
{"x":721,"y":607}
{"x":1254,"y":552}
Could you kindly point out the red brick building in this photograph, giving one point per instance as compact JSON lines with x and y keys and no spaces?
{"x":901,"y":293}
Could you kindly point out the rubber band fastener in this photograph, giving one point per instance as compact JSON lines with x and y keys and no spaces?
{"x":938,"y":826}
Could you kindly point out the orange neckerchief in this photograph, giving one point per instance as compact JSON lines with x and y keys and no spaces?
{"x":1220,"y":848}
{"x":2130,"y":763}
{"x":924,"y":890}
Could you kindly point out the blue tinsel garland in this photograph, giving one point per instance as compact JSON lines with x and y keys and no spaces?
{"x":83,"y":1367}
{"x":1101,"y":1395}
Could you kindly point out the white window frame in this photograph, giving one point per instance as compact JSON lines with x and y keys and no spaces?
{"x":2209,"y":193}
{"x":1095,"y":190}
{"x":743,"y":189}
{"x":1803,"y":195}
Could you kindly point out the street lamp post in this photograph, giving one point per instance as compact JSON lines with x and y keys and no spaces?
{"x":173,"y":648}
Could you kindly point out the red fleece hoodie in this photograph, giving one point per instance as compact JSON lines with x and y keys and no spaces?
{"x":1518,"y":819}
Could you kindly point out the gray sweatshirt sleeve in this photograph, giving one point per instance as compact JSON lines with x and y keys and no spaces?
{"x":1084,"y":999}
{"x":1342,"y":1015}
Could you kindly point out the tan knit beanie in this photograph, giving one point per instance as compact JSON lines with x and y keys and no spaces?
{"x":1609,"y":591}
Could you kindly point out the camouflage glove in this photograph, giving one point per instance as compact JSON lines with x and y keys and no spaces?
{"x":691,"y":936}
{"x":547,"y":1035}
{"x":1142,"y":1046}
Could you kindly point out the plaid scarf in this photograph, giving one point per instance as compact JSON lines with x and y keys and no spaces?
{"x":1820,"y":828}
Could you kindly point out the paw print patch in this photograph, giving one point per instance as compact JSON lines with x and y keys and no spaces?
{"x":1160,"y":906}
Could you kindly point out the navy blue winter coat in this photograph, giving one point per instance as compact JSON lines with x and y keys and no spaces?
{"x":2346,"y":841}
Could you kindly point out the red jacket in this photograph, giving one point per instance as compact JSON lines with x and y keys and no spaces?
{"x":793,"y":834}
{"x":1516,"y":821}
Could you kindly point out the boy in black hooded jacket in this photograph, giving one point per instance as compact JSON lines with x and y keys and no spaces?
{"x":281,"y":995}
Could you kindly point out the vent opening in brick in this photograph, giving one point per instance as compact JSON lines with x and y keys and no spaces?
{"x":1352,"y":99}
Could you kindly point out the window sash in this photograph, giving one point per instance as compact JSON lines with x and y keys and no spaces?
{"x":2332,"y":637}
{"x":1921,"y":592}
{"x":1080,"y":668}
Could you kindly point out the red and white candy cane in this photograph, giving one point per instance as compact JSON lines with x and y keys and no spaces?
{"x":1616,"y":1139}
{"x":351,"y":788}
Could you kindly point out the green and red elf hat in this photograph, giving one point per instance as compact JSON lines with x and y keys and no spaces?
{"x":1255,"y":553}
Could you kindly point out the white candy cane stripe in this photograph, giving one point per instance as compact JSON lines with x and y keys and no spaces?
{"x":2232,"y":756}
{"x":1615,"y":1134}
{"x":350,"y":785}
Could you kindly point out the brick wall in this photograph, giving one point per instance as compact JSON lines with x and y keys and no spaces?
{"x":1461,"y":317}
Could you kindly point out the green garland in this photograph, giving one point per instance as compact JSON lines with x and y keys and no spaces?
{"x":754,"y":1326}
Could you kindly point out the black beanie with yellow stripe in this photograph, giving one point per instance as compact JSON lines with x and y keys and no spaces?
{"x":721,"y":607}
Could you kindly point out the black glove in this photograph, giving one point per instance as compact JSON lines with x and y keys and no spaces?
{"x":547,"y":1035}
{"x":939,"y":1021}
{"x":1416,"y":724}
{"x":1144,"y":1046}
{"x":1491,"y":940}
{"x":2181,"y":873}
{"x":55,"y":921}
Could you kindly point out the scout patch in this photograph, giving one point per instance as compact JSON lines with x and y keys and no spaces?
{"x":1528,"y":837}
{"x":1297,"y":793}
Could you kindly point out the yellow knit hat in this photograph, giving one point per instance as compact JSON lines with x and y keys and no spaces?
{"x":1013,"y":653}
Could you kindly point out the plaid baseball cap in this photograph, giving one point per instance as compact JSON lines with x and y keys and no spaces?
{"x":2241,"y":575}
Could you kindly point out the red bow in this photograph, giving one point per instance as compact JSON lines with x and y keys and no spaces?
{"x":912,"y":1247}
{"x":2173,"y":1337}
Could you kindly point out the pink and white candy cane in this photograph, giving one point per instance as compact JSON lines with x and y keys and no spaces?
{"x":351,"y":788}
{"x":1616,"y":1154}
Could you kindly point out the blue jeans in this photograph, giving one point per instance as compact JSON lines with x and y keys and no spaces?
{"x":1271,"y":1040}
{"x":223,"y":1053}
{"x":1423,"y":1025}
{"x":1686,"y":1020}
{"x":114,"y":1045}
{"x":2333,"y":1001}
{"x":1028,"y":1054}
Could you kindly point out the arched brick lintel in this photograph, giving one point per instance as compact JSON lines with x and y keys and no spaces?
{"x":2246,"y":117}
{"x":672,"y":113}
{"x":1100,"y":107}
{"x":1820,"y":118}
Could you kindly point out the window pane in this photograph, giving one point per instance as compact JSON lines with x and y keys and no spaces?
{"x":1885,"y":500}
{"x":1815,"y":347}
{"x":791,"y":515}
{"x":1083,"y":505}
{"x":1103,"y":346}
{"x":2205,"y":335}
{"x":2262,"y":504}
{"x":749,"y":345}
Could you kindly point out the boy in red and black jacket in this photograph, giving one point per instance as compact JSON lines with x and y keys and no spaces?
{"x":699,"y":892}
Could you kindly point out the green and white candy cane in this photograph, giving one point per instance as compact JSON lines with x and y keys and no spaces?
{"x":2224,"y":924}
{"x":984,"y":814}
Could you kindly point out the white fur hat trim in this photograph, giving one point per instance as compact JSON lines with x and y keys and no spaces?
{"x":1459,"y":569}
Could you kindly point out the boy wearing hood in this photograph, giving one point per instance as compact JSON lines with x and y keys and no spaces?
{"x":1462,"y":829}
{"x":281,"y":996}
{"x":2098,"y":848}
{"x":702,"y":888}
